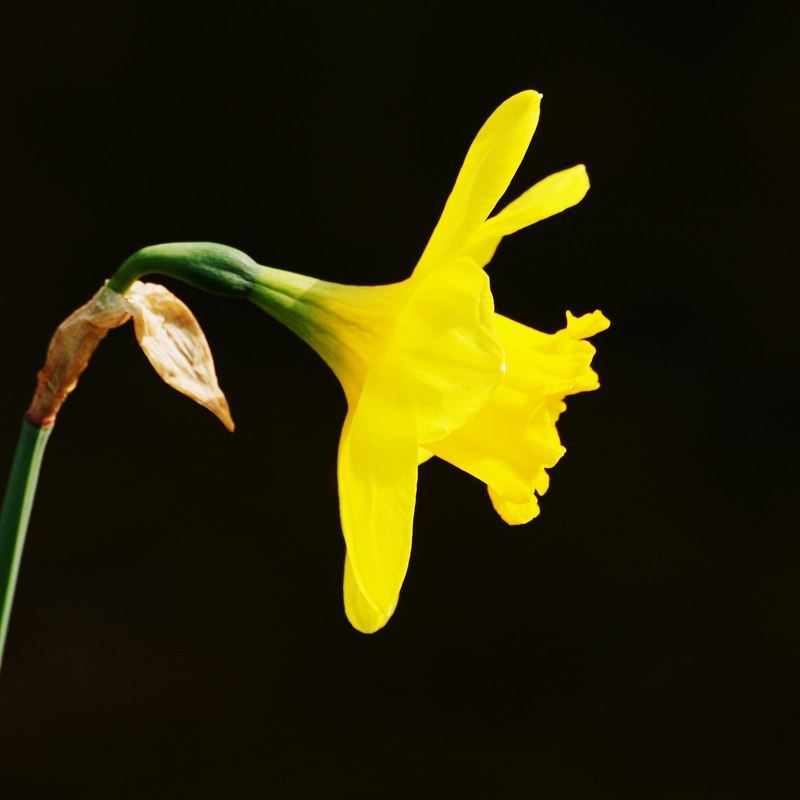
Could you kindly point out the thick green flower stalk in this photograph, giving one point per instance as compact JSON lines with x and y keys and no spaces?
{"x":427,"y":366}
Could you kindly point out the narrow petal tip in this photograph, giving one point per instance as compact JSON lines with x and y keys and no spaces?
{"x":360,"y":613}
{"x":530,"y":94}
{"x":221,"y":410}
{"x":529,"y":99}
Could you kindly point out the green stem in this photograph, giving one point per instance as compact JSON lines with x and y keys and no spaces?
{"x":16,"y":512}
{"x":214,"y":268}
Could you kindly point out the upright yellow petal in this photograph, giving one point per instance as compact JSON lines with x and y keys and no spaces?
{"x":491,"y":162}
{"x":378,"y":486}
{"x":546,"y":198}
{"x":445,"y":346}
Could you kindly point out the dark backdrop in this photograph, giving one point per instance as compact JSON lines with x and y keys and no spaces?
{"x":178,"y":630}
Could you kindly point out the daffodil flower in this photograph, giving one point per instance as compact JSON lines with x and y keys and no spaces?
{"x":428,"y":368}
{"x":426,"y":365}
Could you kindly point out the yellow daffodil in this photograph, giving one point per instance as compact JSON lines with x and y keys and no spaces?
{"x":428,"y":368}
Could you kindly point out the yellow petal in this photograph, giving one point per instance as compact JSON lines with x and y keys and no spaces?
{"x":378,"y":486}
{"x":175,"y":345}
{"x":513,"y":439}
{"x":546,"y":198}
{"x":423,"y":455}
{"x":586,"y":325}
{"x":446,"y":348}
{"x":485,"y":175}
{"x":508,"y":444}
{"x":514,"y":513}
{"x":363,"y":617}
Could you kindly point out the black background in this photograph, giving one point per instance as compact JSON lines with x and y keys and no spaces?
{"x":178,"y":629}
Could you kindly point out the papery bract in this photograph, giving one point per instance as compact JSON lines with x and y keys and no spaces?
{"x":167,"y":332}
{"x":176,"y":346}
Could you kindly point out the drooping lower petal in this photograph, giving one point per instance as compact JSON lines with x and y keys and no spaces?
{"x":548,"y":197}
{"x":445,"y":346}
{"x":378,"y":486}
{"x":362,"y":616}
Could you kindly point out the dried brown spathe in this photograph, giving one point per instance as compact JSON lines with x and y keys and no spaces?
{"x":176,"y":346}
{"x":167,"y":331}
